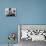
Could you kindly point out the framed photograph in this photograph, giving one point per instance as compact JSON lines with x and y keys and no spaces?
{"x":10,"y":11}
{"x":33,"y":32}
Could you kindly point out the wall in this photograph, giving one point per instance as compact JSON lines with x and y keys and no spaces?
{"x":28,"y":12}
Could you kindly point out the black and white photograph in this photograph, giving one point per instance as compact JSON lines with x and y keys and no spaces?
{"x":10,"y":11}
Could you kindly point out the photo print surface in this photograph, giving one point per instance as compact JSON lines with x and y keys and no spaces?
{"x":32,"y":32}
{"x":10,"y":11}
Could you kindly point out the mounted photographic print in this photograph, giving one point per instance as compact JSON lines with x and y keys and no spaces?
{"x":32,"y":32}
{"x":10,"y":11}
